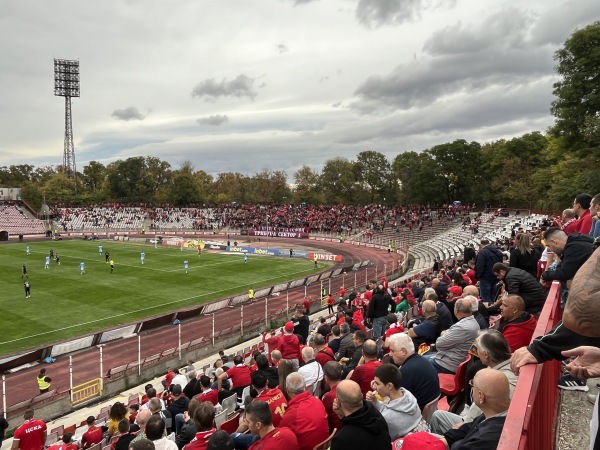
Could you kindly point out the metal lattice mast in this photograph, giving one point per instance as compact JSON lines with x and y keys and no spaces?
{"x":69,"y":149}
{"x":66,"y":84}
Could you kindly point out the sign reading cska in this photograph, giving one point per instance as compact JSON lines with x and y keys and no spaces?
{"x":325,"y":257}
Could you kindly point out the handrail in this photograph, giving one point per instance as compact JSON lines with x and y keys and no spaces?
{"x":534,"y":406}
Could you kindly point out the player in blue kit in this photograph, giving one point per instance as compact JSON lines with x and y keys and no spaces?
{"x":100,"y":249}
{"x":47,"y":265}
{"x":142,"y":257}
{"x":27,"y":252}
{"x":82,"y":267}
{"x":245,"y":258}
{"x":185,"y":265}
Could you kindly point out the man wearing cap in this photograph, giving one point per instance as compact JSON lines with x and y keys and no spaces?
{"x":487,"y":257}
{"x":179,"y":405}
{"x":289,"y":345}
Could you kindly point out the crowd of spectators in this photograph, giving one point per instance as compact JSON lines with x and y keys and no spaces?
{"x":339,"y":219}
{"x":479,"y":311}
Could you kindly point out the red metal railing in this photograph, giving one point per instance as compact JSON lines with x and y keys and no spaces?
{"x":531,"y":420}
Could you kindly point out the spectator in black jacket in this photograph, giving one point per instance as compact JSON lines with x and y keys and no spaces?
{"x":573,"y":250}
{"x":378,"y":310}
{"x":582,"y":318}
{"x":188,"y":429}
{"x":492,"y":394}
{"x":521,"y":283}
{"x":487,"y":257}
{"x":301,"y":324}
{"x":193,"y":387}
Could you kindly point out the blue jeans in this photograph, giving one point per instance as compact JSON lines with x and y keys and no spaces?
{"x":378,"y":326}
{"x":243,"y":441}
{"x":485,"y":290}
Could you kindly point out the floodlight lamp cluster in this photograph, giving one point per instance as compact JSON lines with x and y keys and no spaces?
{"x":66,"y":78}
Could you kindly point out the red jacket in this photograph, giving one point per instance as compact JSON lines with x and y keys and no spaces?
{"x":200,"y":442}
{"x":518,"y":333}
{"x":324,"y":356}
{"x":279,"y":438}
{"x":584,"y":223}
{"x":333,"y":419}
{"x":306,"y":417}
{"x":289,"y":346}
{"x":364,"y":374}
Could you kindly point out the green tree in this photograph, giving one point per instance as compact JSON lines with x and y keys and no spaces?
{"x":375,"y":172}
{"x":306,"y":180}
{"x":338,"y":182}
{"x":578,"y":91}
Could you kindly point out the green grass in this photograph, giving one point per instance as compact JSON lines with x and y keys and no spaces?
{"x":65,"y":304}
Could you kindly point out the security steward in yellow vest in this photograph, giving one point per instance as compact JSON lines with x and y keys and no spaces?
{"x":43,"y":381}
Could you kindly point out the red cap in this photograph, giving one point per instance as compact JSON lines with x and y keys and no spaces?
{"x":417,"y":441}
{"x":289,"y":326}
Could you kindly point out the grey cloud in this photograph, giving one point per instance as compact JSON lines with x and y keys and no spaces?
{"x":302,"y":2}
{"x":336,"y":105}
{"x":557,"y":24}
{"x":281,"y":48}
{"x":215,"y":120}
{"x":210,"y":89}
{"x":324,"y":78}
{"x":493,"y":107}
{"x":130,"y":113}
{"x":455,"y":61}
{"x":373,"y":14}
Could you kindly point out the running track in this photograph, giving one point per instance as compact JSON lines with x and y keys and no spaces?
{"x":22,"y":385}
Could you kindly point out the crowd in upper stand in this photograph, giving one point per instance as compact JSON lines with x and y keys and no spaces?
{"x":341,"y":219}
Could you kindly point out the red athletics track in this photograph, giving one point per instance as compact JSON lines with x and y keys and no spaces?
{"x":22,"y":385}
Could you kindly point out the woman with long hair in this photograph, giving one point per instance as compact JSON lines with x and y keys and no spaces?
{"x":524,"y":255}
{"x":284,"y":369}
{"x":117,"y":412}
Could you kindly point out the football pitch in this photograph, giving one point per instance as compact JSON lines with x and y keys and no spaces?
{"x":65,"y":303}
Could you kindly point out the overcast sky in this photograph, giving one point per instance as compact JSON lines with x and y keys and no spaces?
{"x":247,"y":85}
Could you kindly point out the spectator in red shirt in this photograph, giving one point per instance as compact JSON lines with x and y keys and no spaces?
{"x":342,"y":292}
{"x":330,"y":303}
{"x":65,"y":443}
{"x":93,"y":435}
{"x":260,"y":422}
{"x":581,"y":207}
{"x":332,"y":375}
{"x":569,"y":222}
{"x":289,"y":345}
{"x":207,"y":394}
{"x":204,"y":419}
{"x":363,"y":373}
{"x":305,"y":414}
{"x":31,"y":435}
{"x":516,"y":325}
{"x":273,"y":397}
{"x":323,"y":354}
{"x":168,"y":378}
{"x":306,"y":305}
{"x":239,"y":375}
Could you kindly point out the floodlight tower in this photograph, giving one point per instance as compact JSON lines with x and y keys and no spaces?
{"x":66,"y":84}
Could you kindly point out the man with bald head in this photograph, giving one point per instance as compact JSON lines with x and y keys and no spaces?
{"x":142,"y":419}
{"x":430,"y":328}
{"x":492,"y":395}
{"x":569,"y":221}
{"x":362,"y":425}
{"x":516,"y":324}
